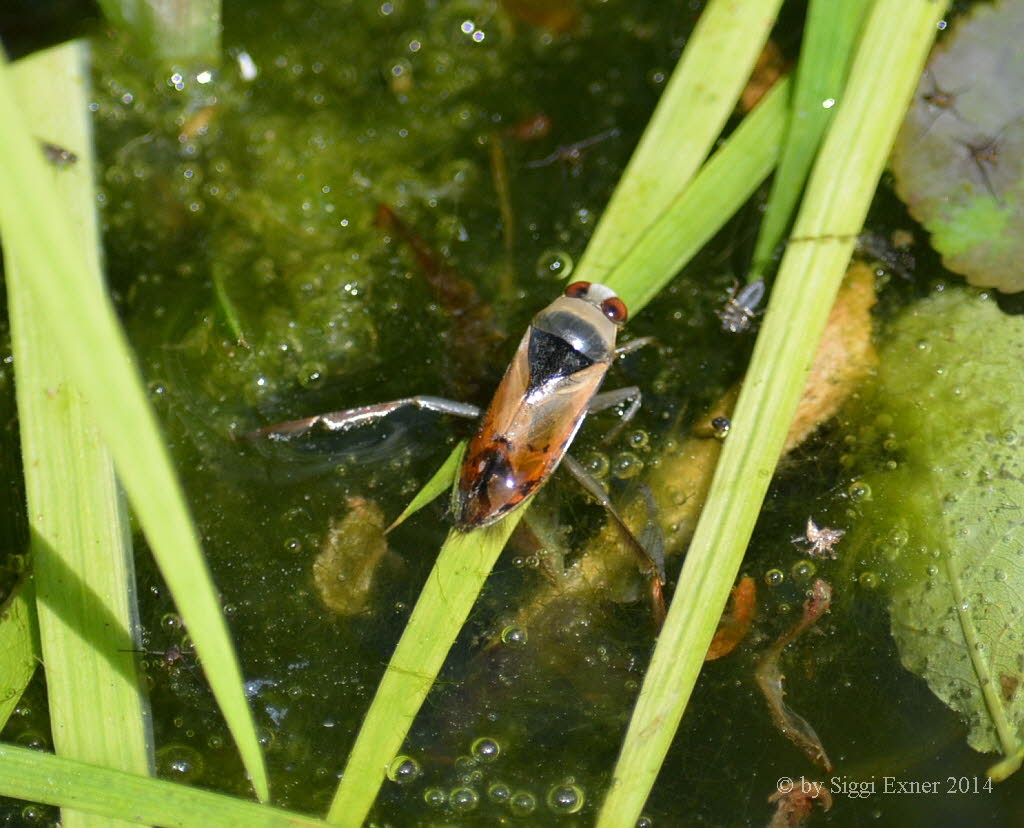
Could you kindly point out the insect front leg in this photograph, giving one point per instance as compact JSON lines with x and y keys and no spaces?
{"x":633,"y":345}
{"x":363,"y":415}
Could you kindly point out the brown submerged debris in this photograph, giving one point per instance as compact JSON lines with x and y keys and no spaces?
{"x":350,"y":555}
{"x":770,"y":66}
{"x":793,"y":807}
{"x":556,"y":16}
{"x":770,"y":678}
{"x":735,"y":624}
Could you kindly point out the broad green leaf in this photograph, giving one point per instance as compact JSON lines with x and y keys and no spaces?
{"x":957,"y":160}
{"x":949,"y":513}
{"x":84,"y":330}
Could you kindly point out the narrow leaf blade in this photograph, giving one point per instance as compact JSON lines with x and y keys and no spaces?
{"x":40,"y":777}
{"x":81,"y":541}
{"x":84,"y":329}
{"x":888,"y":62}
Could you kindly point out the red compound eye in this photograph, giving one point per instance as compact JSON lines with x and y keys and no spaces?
{"x":615,"y":309}
{"x":577,"y":290}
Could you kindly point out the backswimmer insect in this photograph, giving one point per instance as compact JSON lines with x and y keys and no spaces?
{"x":548,"y":388}
{"x":539,"y":405}
{"x":550,"y":385}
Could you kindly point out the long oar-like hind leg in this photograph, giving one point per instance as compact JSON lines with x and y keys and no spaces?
{"x":363,"y":415}
{"x":650,"y":562}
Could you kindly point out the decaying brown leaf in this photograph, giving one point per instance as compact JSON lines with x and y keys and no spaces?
{"x":349,"y":557}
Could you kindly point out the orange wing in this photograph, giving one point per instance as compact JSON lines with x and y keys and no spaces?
{"x":521,"y":439}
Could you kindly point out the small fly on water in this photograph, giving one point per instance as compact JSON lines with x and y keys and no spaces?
{"x":742,"y":307}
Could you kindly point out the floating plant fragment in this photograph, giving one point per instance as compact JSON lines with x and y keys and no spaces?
{"x":349,"y":558}
{"x":770,"y":679}
{"x":959,"y":158}
{"x":945,"y":512}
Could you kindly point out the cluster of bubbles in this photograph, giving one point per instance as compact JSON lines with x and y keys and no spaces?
{"x":469,"y":793}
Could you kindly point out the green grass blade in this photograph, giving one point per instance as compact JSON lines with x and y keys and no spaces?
{"x":888,"y":63}
{"x":723,"y":184}
{"x":465,"y":561}
{"x":83,"y":329}
{"x":19,"y":646}
{"x":40,"y":777}
{"x":829,"y":37}
{"x":440,"y":483}
{"x":698,"y":99}
{"x":81,"y":540}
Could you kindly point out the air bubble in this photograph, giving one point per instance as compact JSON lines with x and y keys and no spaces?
{"x":499,"y":793}
{"x":522,"y":803}
{"x":774,"y":577}
{"x":626,"y":465}
{"x":554,"y":264}
{"x":311,"y":375}
{"x":36,"y":814}
{"x":172,"y":623}
{"x":565,"y":799}
{"x":859,"y":490}
{"x":403,"y":770}
{"x":435,"y":797}
{"x":597,"y":464}
{"x":179,"y":763}
{"x":464,"y":799}
{"x":638,"y":439}
{"x":485,"y":749}
{"x":803,"y":571}
{"x":899,"y":537}
{"x":869,"y":580}
{"x":33,"y":740}
{"x":514,"y":636}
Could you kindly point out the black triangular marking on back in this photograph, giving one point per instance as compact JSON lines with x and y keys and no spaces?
{"x":551,"y":357}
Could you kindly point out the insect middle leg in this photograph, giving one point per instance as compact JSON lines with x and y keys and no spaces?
{"x":363,"y":415}
{"x":610,"y":399}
